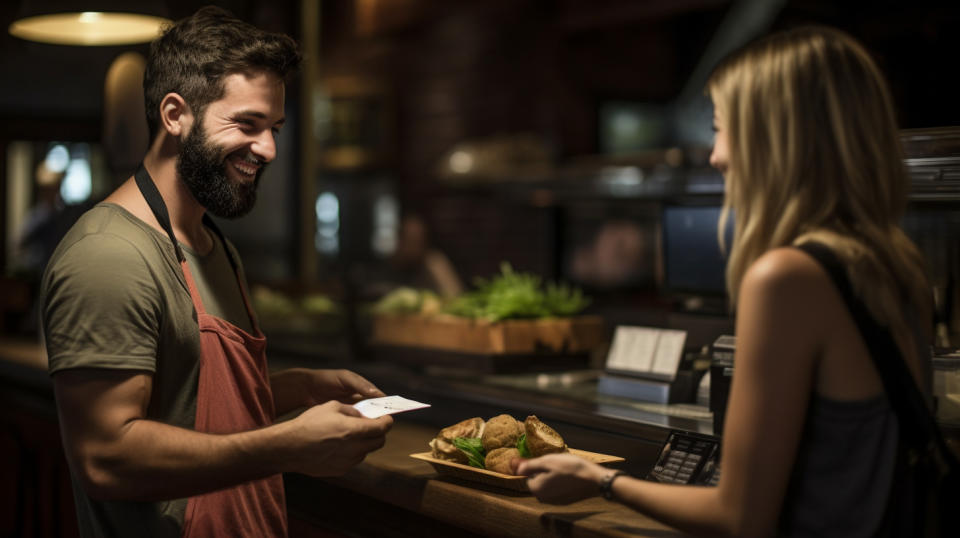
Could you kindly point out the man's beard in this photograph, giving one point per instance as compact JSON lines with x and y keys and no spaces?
{"x":204,"y":172}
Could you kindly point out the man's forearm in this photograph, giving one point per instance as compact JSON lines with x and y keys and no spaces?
{"x":155,"y":461}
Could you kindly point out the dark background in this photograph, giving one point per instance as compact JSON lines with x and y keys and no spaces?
{"x":443,"y":72}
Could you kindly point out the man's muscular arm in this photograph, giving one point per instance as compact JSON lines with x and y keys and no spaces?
{"x":117,"y":453}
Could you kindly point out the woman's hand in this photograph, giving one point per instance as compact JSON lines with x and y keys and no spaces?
{"x":561,"y":478}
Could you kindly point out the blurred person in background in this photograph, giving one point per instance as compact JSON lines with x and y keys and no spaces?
{"x":41,"y":229}
{"x":418,"y":263}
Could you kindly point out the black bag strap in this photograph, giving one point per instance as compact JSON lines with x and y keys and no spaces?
{"x":917,"y":424}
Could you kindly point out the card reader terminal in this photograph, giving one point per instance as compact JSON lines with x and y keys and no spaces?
{"x":688,"y":458}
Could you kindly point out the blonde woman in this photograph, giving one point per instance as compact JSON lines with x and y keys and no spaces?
{"x":807,"y":142}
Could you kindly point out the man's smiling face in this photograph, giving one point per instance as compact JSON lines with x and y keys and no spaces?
{"x":223,"y":155}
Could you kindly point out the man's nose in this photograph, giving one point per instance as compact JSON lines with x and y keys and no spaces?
{"x":265,"y":146}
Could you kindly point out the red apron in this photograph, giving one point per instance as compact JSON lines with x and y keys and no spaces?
{"x":233,"y":395}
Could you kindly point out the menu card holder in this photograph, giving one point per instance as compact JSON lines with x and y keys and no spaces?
{"x":644,"y":363}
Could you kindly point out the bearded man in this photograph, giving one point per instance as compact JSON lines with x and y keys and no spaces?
{"x":165,"y":400}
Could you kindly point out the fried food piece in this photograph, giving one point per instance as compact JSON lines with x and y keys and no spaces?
{"x":501,"y":431}
{"x":441,"y":447}
{"x":498,"y":459}
{"x":542,"y":439}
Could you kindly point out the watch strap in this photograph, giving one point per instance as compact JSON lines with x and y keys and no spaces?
{"x":606,"y":484}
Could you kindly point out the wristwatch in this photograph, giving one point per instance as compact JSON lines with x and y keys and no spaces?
{"x":606,"y":484}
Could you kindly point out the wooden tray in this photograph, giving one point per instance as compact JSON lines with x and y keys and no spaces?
{"x":483,"y":476}
{"x":428,"y":359}
{"x":513,"y":336}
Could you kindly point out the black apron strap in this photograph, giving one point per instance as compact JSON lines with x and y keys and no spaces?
{"x":150,"y":193}
{"x":216,"y":230}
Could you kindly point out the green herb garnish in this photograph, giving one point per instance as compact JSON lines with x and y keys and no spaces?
{"x":522,"y":446}
{"x":473,"y":448}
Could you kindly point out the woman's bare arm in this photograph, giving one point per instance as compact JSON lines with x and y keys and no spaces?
{"x":779,"y":337}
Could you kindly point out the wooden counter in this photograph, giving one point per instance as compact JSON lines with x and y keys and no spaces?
{"x":389,"y":494}
{"x":36,"y":498}
{"x":23,"y":352}
{"x":410,"y":495}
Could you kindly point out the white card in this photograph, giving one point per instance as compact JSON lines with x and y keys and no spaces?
{"x":388,"y":405}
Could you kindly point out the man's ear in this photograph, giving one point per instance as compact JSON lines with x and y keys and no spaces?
{"x":175,"y":114}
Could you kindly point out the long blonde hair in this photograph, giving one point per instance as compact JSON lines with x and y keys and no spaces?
{"x":814,"y":154}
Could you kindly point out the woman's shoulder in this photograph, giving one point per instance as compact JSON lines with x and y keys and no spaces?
{"x":786,"y":297}
{"x":786,"y":287}
{"x":786,"y":270}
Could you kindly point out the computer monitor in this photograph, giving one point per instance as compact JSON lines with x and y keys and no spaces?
{"x":692,"y":261}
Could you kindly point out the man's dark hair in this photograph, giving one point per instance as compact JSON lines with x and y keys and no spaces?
{"x":195,"y":54}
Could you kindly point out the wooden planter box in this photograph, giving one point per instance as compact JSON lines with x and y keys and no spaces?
{"x":577,"y":334}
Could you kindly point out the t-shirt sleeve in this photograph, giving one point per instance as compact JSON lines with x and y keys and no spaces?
{"x":101,"y":307}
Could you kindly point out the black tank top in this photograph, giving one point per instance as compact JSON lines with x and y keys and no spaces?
{"x":843,"y":472}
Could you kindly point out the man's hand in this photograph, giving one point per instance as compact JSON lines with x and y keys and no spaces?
{"x":303,"y":387}
{"x":331,"y":438}
{"x":341,"y":385}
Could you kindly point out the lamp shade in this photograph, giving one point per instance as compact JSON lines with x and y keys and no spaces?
{"x":90,"y":23}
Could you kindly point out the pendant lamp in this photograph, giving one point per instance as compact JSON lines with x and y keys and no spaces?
{"x":89,"y":22}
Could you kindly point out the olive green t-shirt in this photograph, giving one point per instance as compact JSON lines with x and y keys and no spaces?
{"x":114,"y":297}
